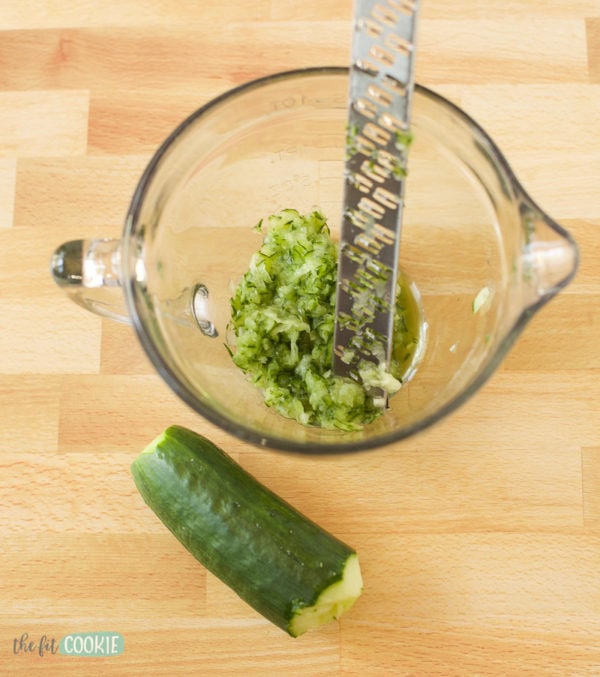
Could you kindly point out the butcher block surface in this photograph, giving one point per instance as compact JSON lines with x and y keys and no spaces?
{"x":479,"y":539}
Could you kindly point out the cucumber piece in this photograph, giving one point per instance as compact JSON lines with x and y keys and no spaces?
{"x":290,"y":570}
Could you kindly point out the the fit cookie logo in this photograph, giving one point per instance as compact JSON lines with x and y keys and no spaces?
{"x":82,"y":644}
{"x":41,"y":647}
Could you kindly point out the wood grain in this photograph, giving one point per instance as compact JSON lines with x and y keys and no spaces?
{"x":479,"y":539}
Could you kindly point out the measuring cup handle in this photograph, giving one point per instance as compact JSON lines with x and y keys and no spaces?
{"x":89,"y":271}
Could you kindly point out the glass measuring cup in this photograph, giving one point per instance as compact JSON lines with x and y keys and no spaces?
{"x":481,"y":254}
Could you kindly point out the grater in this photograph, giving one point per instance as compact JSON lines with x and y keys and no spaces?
{"x":377,"y":141}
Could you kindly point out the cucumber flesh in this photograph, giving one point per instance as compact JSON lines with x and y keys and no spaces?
{"x":281,"y":563}
{"x":332,"y":602}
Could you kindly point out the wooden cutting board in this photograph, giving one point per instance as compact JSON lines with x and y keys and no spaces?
{"x":479,"y":540}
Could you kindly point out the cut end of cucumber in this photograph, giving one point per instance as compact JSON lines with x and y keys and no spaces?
{"x":332,"y":602}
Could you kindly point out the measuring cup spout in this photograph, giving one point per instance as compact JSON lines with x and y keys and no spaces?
{"x":550,"y":254}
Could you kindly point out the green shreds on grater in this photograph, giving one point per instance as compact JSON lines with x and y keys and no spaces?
{"x":378,"y":138}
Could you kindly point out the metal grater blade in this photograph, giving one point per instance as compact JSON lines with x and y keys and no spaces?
{"x":378,"y":136}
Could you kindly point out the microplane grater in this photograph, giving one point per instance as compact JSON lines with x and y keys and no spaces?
{"x":378,"y":137}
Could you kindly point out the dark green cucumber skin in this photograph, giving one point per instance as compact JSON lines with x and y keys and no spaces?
{"x":271,"y":555}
